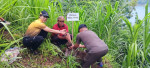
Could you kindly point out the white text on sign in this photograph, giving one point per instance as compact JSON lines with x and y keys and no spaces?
{"x":73,"y":17}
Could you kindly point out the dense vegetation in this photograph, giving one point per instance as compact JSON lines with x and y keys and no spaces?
{"x":128,"y":45}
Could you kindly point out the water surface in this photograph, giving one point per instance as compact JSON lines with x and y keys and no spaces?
{"x":140,"y":9}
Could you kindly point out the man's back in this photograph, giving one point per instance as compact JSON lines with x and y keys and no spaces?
{"x":92,"y":42}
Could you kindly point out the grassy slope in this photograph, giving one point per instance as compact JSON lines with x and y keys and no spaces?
{"x":100,"y":16}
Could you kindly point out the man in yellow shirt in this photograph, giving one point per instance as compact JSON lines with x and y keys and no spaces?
{"x":37,"y":31}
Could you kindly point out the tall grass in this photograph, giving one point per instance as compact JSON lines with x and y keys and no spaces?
{"x":24,"y":12}
{"x":137,"y":55}
{"x":101,"y":16}
{"x":6,"y":6}
{"x":146,"y":35}
{"x":11,"y":43}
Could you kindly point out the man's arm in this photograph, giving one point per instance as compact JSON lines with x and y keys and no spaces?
{"x":54,"y":31}
{"x":82,"y":46}
{"x":63,"y":36}
{"x":3,"y":20}
{"x":76,"y":46}
{"x":78,"y":40}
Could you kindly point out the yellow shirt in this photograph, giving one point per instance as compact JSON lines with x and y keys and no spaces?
{"x":34,"y":28}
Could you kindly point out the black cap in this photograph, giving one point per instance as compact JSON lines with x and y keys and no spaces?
{"x":44,"y":13}
{"x":81,"y":26}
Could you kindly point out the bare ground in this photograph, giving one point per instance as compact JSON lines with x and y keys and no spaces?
{"x":35,"y":61}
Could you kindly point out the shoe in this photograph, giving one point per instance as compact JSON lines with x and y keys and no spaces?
{"x":35,"y":52}
{"x":101,"y":64}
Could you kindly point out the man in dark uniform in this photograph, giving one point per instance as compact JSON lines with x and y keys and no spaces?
{"x":96,"y":48}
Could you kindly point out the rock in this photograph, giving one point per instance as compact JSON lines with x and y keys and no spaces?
{"x":10,"y":55}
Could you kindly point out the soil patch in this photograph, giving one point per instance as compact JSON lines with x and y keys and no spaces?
{"x":30,"y":60}
{"x":6,"y":35}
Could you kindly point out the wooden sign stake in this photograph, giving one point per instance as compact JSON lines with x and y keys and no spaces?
{"x":72,"y":31}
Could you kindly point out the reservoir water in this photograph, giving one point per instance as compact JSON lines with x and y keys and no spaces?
{"x":140,"y":9}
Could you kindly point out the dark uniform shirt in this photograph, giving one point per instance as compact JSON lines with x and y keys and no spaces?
{"x":91,"y":41}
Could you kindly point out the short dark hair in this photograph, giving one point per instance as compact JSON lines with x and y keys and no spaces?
{"x":81,"y":26}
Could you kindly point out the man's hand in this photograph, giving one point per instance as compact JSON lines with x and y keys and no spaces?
{"x":71,"y":47}
{"x":81,"y":46}
{"x":63,"y":31}
{"x":3,"y":20}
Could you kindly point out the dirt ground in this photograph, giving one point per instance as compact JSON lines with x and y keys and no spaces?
{"x":29,"y":60}
{"x":6,"y":35}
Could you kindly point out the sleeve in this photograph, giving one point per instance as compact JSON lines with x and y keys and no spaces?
{"x":40,"y":25}
{"x":78,"y":39}
{"x":67,"y":29}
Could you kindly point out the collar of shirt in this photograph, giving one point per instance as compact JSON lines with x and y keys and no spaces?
{"x":59,"y":26}
{"x":40,"y":20}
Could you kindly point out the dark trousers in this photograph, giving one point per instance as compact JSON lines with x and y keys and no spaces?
{"x":56,"y":41}
{"x":91,"y":58}
{"x":33,"y":43}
